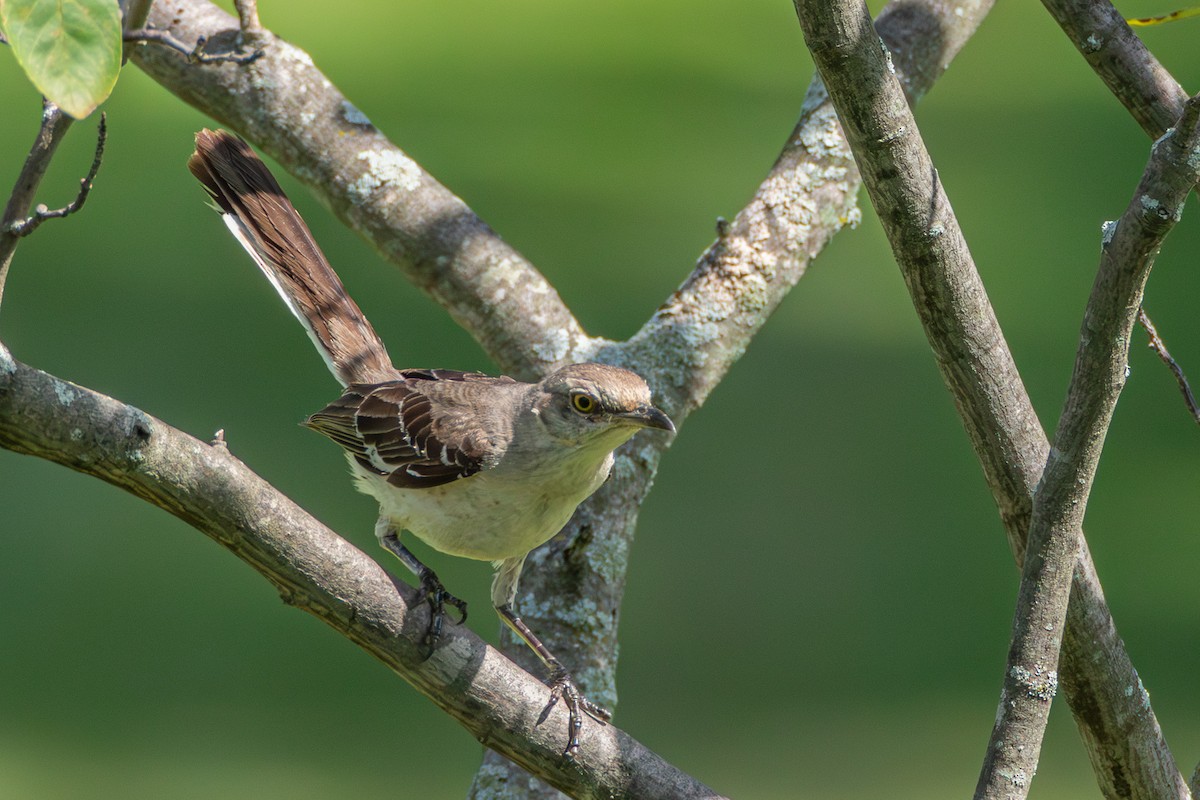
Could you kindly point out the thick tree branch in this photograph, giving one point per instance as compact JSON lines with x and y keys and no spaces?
{"x":284,"y":105}
{"x":321,"y":573}
{"x":689,"y":344}
{"x":1111,"y":707}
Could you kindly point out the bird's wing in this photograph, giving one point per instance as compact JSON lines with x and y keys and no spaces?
{"x":415,"y":431}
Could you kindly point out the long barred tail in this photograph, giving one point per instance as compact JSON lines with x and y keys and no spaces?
{"x":261,"y":217}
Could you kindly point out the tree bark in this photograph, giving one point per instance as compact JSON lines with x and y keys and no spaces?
{"x":319,"y":572}
{"x":1129,"y":755}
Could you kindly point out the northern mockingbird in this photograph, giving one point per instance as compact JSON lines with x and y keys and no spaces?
{"x":475,"y":466}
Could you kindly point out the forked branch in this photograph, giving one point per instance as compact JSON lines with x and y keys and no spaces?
{"x":1130,"y":247}
{"x":1119,"y":728}
{"x":26,"y":226}
{"x":54,"y":127}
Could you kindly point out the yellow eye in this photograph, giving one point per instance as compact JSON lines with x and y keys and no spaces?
{"x":584,"y":403}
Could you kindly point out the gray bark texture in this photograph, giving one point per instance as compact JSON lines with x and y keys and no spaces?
{"x":1112,"y":710}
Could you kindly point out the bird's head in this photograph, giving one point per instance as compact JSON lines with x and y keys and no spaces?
{"x":596,"y":404}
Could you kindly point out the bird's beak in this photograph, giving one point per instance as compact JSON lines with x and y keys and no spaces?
{"x":649,"y":417}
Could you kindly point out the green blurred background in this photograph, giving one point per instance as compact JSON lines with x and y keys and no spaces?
{"x":827,"y":619}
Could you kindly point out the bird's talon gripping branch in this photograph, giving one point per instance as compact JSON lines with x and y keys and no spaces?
{"x":562,"y":686}
{"x":438,"y":598}
{"x":432,"y":590}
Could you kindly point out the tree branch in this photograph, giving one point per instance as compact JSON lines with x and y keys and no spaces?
{"x":1109,"y":703}
{"x":1160,"y":349}
{"x":284,"y":105}
{"x":54,"y":127}
{"x":319,"y":572}
{"x":1122,"y":61}
{"x":23,"y":227}
{"x":1130,"y":247}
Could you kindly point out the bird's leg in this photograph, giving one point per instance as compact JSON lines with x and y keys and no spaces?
{"x":434,"y":593}
{"x":562,"y":685}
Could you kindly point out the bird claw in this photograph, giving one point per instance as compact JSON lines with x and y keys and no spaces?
{"x":563,"y":687}
{"x":438,"y":598}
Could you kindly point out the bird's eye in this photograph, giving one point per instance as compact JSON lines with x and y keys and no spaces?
{"x":584,"y":403}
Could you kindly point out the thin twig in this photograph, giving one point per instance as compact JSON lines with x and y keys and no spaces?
{"x":195,"y":55}
{"x":53,"y":128}
{"x":1160,"y":349}
{"x":26,"y":226}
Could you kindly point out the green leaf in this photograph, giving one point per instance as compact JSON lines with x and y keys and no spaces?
{"x":70,"y":49}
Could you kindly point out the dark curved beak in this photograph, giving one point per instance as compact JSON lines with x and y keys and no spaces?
{"x":649,"y":417}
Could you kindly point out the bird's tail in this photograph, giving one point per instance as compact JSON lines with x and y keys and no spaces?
{"x":261,"y":217}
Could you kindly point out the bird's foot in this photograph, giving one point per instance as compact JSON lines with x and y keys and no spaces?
{"x":562,"y":686}
{"x":438,"y":598}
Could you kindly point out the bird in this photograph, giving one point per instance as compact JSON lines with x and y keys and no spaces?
{"x":474,"y":465}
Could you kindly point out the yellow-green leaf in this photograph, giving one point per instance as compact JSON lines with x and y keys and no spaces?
{"x":70,"y":49}
{"x":1174,"y":16}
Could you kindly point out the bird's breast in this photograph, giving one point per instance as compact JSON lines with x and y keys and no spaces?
{"x":492,"y":515}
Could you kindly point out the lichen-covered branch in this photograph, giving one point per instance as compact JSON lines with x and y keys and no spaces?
{"x":686,"y":348}
{"x":1110,"y":706}
{"x":284,"y":104}
{"x":321,"y":573}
